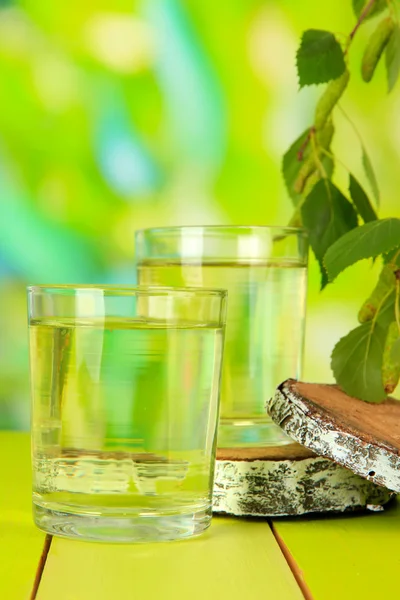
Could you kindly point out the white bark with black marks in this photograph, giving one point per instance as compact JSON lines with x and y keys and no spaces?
{"x":330,"y":429}
{"x":289,"y":481}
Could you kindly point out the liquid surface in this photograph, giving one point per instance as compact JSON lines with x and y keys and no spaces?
{"x":124,"y":417}
{"x":264,"y":334}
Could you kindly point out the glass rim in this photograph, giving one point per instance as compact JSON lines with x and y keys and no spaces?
{"x":175,"y":228}
{"x":128,"y":290}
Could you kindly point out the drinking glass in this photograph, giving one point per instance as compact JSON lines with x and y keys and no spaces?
{"x":264,"y":270}
{"x":125,"y":395}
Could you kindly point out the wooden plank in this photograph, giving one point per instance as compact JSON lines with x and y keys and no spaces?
{"x":235,"y":559}
{"x":20,"y":541}
{"x":15,"y":472}
{"x":347,"y":557}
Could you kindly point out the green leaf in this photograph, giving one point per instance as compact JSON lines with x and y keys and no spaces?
{"x":291,"y":165}
{"x":367,"y":241}
{"x":329,"y":165}
{"x":370,"y":173}
{"x":392,"y":56}
{"x":327,"y":215}
{"x":319,"y":58}
{"x":392,"y":257}
{"x":361,"y":201}
{"x":357,"y":362}
{"x":378,"y":7}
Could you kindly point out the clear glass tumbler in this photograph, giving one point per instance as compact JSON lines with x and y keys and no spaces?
{"x":264,"y":270}
{"x":125,"y":395}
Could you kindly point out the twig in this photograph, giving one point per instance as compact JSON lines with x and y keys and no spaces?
{"x":302,"y":149}
{"x":319,"y":164}
{"x":364,"y":13}
{"x":361,"y":18}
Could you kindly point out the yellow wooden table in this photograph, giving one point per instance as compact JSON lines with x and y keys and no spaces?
{"x":351,"y":557}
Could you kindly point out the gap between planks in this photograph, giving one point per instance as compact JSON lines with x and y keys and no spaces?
{"x":293,"y":566}
{"x":41,"y":566}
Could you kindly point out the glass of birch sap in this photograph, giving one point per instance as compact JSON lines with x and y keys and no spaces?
{"x":125,"y":395}
{"x":264,"y":270}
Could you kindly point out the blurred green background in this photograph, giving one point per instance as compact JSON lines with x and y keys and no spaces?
{"x":120,"y":115}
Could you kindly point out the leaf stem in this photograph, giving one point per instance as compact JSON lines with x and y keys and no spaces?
{"x":319,"y":164}
{"x":351,"y":123}
{"x":335,"y":158}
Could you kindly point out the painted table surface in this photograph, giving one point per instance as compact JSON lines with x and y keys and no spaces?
{"x":346,"y":557}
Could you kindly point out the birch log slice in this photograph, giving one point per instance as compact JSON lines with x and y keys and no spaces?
{"x":361,"y":436}
{"x":288,"y":480}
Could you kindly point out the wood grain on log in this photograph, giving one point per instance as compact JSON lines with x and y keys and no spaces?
{"x":288,"y":480}
{"x":359,"y":436}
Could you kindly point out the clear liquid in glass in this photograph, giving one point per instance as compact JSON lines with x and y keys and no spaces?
{"x":264,"y":335}
{"x":123,"y":427}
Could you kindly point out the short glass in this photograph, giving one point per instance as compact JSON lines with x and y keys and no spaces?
{"x":264,"y":270}
{"x":125,"y":397}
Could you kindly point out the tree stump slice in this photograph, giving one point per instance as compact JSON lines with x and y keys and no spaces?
{"x":286,"y":481}
{"x":358,"y":435}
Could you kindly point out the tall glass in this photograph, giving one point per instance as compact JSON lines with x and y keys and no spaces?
{"x":264,"y":270}
{"x":125,"y":390}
